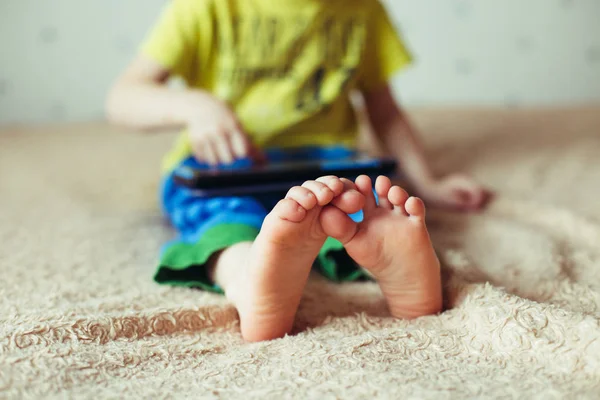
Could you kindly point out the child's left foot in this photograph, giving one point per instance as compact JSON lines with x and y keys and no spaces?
{"x":393,"y":244}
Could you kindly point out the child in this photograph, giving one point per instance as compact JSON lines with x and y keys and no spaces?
{"x":277,"y":74}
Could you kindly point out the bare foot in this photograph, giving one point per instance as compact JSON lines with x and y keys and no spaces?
{"x":268,"y":291}
{"x":393,"y":244}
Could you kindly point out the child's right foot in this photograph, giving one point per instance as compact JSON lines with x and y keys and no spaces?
{"x":392,"y":243}
{"x":268,"y":291}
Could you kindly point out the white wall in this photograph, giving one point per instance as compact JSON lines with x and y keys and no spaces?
{"x":57,"y":57}
{"x":501,"y":52}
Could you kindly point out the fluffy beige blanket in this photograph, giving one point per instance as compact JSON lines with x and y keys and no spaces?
{"x":80,"y":316}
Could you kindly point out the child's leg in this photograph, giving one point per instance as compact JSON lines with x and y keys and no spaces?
{"x":205,"y":227}
{"x":393,"y":244}
{"x":265,"y":279}
{"x":262,"y":274}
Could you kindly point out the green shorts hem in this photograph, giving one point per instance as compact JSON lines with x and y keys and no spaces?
{"x":184,"y":264}
{"x":334,"y":263}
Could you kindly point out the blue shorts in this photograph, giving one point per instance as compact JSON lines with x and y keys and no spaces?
{"x":206,"y":226}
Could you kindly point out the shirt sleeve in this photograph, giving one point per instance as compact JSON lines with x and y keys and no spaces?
{"x":176,"y":41}
{"x":386,"y":53}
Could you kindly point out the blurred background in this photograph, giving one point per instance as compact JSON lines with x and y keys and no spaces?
{"x":58,"y":57}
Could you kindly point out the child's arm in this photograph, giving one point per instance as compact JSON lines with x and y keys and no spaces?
{"x":396,"y":133}
{"x":141,"y":99}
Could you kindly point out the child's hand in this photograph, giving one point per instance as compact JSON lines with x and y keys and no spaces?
{"x":216,"y":135}
{"x":456,"y":192}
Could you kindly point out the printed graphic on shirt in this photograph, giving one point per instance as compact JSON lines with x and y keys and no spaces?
{"x":309,"y":61}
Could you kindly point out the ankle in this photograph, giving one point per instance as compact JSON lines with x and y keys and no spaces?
{"x":226,"y":266}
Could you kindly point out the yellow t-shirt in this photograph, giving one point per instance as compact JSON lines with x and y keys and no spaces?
{"x":285,"y":66}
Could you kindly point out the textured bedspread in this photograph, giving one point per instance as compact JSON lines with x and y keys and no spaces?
{"x":80,"y":316}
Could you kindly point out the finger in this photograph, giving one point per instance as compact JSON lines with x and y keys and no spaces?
{"x":458,"y":199}
{"x":210,"y":155}
{"x":470,"y":194}
{"x":477,"y":197}
{"x":244,"y":147}
{"x":480,"y":200}
{"x":469,"y":185}
{"x":199,"y":151}
{"x":223,"y":150}
{"x":465,"y":194}
{"x":461,"y":195}
{"x":239,"y":144}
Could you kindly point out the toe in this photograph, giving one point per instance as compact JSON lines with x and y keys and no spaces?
{"x":415,"y":208}
{"x":337,"y":224}
{"x":364,"y":186}
{"x":304,"y":197}
{"x":350,"y":202}
{"x":332,"y":182}
{"x":289,"y":210}
{"x":398,"y":197}
{"x":322,"y":192}
{"x":382,"y":188}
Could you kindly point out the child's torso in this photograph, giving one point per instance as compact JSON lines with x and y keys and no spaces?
{"x":287,"y":67}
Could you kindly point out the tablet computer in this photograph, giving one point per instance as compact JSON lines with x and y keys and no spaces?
{"x":277,"y":176}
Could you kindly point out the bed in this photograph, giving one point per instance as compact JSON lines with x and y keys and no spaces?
{"x":80,"y":316}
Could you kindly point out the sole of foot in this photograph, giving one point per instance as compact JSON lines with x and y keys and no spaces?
{"x":393,"y":245}
{"x":269,"y":290}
